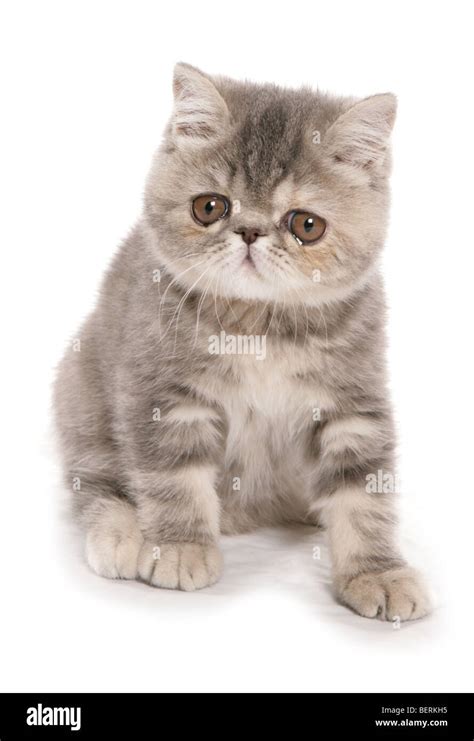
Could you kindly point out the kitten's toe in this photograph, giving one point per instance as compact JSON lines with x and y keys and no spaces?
{"x":398,"y":593}
{"x":186,"y":566}
{"x":113,"y":556}
{"x":114,"y":540}
{"x":200,"y":566}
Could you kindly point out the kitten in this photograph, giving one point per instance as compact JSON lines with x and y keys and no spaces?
{"x":232,"y":374}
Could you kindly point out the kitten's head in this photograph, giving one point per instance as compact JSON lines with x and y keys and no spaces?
{"x":262,"y":193}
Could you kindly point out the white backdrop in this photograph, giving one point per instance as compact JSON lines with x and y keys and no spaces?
{"x":85,"y":93}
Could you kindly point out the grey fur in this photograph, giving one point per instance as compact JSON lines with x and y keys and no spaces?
{"x":166,"y":479}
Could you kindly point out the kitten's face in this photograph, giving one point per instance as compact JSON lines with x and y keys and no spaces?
{"x":270,"y":195}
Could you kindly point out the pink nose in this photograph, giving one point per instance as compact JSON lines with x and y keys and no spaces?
{"x":249,"y":234}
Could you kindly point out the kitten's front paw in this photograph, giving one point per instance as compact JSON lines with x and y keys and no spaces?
{"x":186,"y":566}
{"x":398,"y":593}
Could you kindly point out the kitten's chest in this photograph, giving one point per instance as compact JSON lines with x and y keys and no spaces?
{"x":266,"y":393}
{"x":269,"y":410}
{"x":285,"y":389}
{"x":270,"y":407}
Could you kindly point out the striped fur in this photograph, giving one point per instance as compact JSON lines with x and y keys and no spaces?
{"x":166,"y":445}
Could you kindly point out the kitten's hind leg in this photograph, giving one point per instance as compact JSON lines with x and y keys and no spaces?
{"x":113,"y":538}
{"x":116,"y":547}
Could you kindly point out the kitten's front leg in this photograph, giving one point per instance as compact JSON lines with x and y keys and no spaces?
{"x":370,"y":576}
{"x":176,"y":499}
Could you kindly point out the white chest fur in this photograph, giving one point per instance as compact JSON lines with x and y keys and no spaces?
{"x":268,"y":412}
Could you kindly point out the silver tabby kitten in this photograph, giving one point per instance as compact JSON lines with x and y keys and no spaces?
{"x":232,"y":373}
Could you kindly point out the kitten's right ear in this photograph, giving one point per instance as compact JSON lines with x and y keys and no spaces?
{"x":200,"y":113}
{"x":360,"y":136}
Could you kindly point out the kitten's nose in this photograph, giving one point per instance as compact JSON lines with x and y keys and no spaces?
{"x":249,"y":234}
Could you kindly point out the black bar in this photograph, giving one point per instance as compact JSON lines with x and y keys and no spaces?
{"x":437,"y":716}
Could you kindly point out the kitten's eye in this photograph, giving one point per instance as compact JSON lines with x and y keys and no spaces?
{"x":306,"y":227}
{"x":209,"y":207}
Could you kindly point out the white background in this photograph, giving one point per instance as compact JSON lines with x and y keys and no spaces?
{"x":85,"y":93}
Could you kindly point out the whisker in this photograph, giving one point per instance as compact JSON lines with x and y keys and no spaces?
{"x":182,"y":302}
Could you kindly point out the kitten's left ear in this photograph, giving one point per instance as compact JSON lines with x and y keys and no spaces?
{"x":361,"y":135}
{"x":200,"y":113}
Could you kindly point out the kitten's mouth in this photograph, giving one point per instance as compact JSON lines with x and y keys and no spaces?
{"x":249,"y":264}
